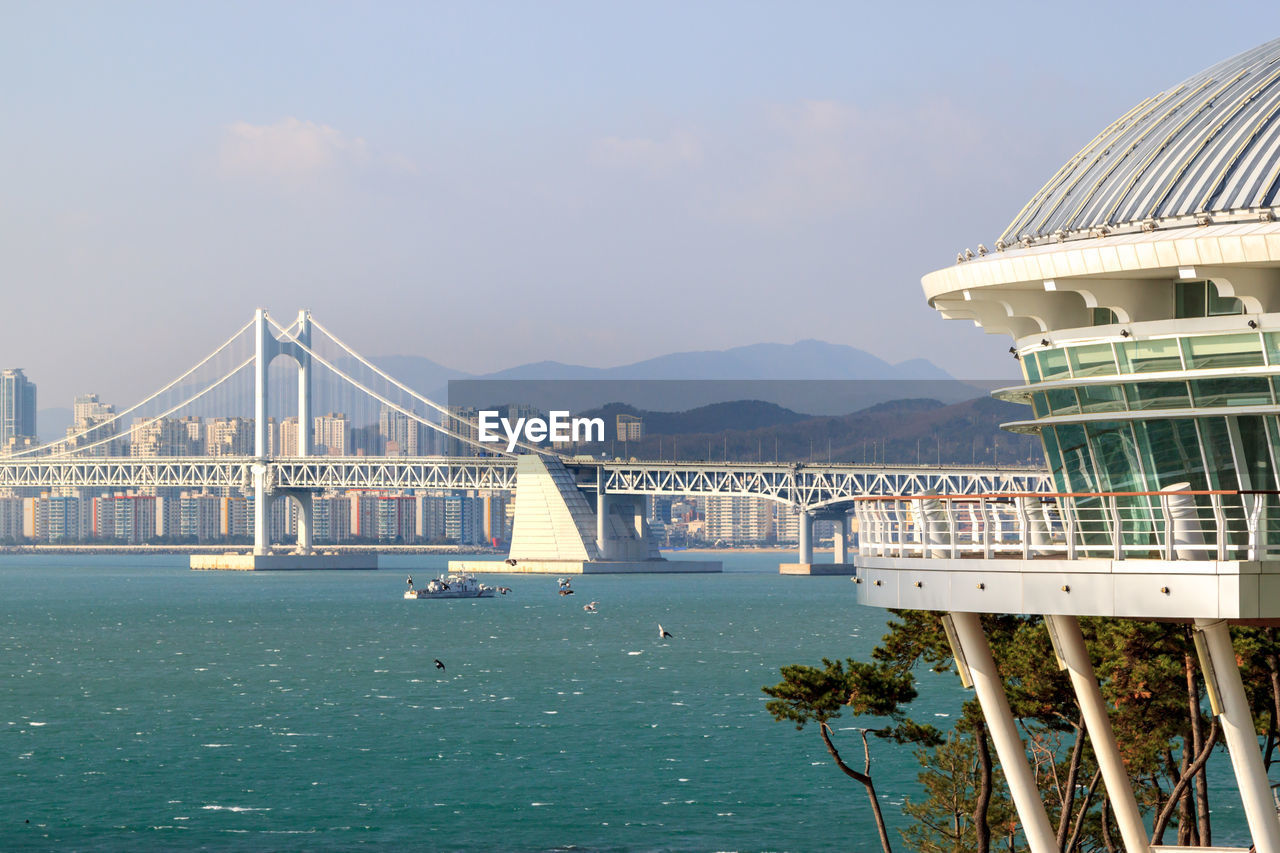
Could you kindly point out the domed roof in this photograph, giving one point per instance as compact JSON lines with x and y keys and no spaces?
{"x":1208,"y":145}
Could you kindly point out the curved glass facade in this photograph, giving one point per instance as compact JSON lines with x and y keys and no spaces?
{"x":1144,"y":415}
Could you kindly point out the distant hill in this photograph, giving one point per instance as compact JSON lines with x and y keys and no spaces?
{"x":808,"y":359}
{"x":741,"y":415}
{"x":904,"y":432}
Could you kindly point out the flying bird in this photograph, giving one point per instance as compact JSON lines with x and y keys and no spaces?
{"x":590,"y":608}
{"x":439,"y":665}
{"x":663,"y":632}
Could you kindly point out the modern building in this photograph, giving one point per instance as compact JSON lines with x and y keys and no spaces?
{"x":17,"y":409}
{"x":1141,"y":290}
{"x":401,"y":435}
{"x":630,"y":428}
{"x":330,"y":435}
{"x":229,"y":437}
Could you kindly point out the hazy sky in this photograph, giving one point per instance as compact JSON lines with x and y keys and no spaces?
{"x":487,"y":184}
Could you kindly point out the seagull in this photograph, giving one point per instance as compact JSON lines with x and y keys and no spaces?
{"x":590,"y":608}
{"x":663,"y":632}
{"x":439,"y":665}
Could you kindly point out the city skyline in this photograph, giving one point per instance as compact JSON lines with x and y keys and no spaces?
{"x":419,"y":164}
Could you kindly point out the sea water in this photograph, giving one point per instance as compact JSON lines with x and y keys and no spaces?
{"x":144,"y":706}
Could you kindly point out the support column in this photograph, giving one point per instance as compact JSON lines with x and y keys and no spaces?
{"x":304,"y":388}
{"x":840,"y":539}
{"x":806,"y":537}
{"x":1065,"y":631}
{"x":1241,"y":737}
{"x":639,"y":506}
{"x":261,"y":506}
{"x":262,"y":357}
{"x":1004,"y":733}
{"x":602,"y":515}
{"x":304,"y":521}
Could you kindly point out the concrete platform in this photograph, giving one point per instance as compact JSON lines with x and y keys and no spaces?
{"x":584,"y":567}
{"x":839,"y":569}
{"x":283,"y":562}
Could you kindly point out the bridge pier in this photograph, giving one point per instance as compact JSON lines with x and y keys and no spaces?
{"x":556,"y":531}
{"x":840,"y":539}
{"x":304,"y":521}
{"x":840,"y":542}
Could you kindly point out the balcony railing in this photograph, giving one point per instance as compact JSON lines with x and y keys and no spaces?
{"x":1174,"y":524}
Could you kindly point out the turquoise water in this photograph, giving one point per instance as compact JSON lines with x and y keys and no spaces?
{"x":148,"y":707}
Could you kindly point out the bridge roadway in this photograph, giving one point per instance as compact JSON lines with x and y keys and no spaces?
{"x":807,"y":486}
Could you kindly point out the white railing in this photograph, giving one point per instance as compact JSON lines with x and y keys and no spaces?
{"x":1175,"y":524}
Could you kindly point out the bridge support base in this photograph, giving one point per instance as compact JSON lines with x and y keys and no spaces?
{"x":584,"y":567}
{"x":282,"y":562}
{"x":840,"y":569}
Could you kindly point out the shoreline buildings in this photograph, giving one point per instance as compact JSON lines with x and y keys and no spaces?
{"x":1141,"y":289}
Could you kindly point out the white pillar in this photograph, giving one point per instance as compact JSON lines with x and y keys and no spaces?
{"x":840,"y":539}
{"x":304,"y":522}
{"x":930,"y":517}
{"x":806,"y":537}
{"x":602,"y":515}
{"x":1241,"y":737}
{"x":1004,"y":733}
{"x":304,"y":389}
{"x":262,"y":357}
{"x":1187,"y":528}
{"x":1070,"y":642}
{"x":638,"y":506}
{"x":261,"y":517}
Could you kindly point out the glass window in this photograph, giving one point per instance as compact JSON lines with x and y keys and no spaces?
{"x":1100,"y":398}
{"x":1189,"y":299}
{"x":1171,"y":453}
{"x":1217,"y":450}
{"x":1222,"y":351}
{"x":1029,"y":369}
{"x":1077,"y":469}
{"x":1157,"y":395}
{"x":1149,"y":356}
{"x":1062,"y":401}
{"x":1039,"y":404}
{"x":1054,"y":458}
{"x":1222,"y":305}
{"x":1247,"y":391}
{"x":1053,"y":364}
{"x":1117,"y":456}
{"x":1104,"y":317}
{"x":1093,"y":360}
{"x":1255,"y":455}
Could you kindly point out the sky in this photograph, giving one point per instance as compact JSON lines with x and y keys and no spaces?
{"x":488,"y":184}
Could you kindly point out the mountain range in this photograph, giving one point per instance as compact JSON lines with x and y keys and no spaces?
{"x":804,"y":360}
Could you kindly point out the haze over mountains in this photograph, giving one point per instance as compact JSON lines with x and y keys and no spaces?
{"x":804,"y":360}
{"x":808,"y":359}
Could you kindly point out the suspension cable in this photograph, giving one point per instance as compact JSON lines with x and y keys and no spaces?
{"x":386,"y":402}
{"x":167,"y":412}
{"x":50,"y":448}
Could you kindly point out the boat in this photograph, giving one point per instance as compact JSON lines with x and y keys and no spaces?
{"x":451,"y":586}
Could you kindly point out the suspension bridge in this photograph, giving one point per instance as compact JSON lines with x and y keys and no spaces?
{"x":279,"y":412}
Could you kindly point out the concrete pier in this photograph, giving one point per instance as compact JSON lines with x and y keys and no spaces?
{"x":283,"y":562}
{"x":584,"y":567}
{"x":840,"y":569}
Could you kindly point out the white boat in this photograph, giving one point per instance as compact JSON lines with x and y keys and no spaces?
{"x":452,"y":586}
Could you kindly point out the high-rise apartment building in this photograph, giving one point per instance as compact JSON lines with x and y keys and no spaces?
{"x":17,"y":408}
{"x":330,"y":435}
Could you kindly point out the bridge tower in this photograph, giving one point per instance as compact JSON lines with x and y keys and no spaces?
{"x":267,"y":348}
